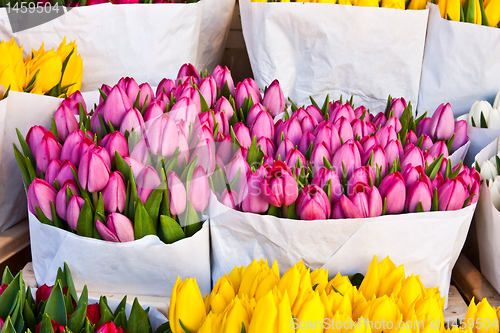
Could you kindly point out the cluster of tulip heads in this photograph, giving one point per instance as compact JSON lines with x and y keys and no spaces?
{"x":53,"y":72}
{"x":256,"y":298}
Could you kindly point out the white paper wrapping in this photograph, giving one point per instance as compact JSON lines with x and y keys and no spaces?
{"x":145,"y":41}
{"x":320,"y":48}
{"x":19,"y":110}
{"x":143,"y":267}
{"x":426,"y":243}
{"x":478,"y":138}
{"x":460,"y":64}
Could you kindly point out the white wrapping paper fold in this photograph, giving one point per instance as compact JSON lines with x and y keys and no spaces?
{"x":426,"y":243}
{"x":487,"y":219}
{"x":320,"y":48}
{"x":451,"y":73}
{"x":142,"y":267}
{"x":145,"y":41}
{"x":18,"y":110}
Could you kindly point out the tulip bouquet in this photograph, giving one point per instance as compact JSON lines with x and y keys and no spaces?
{"x":471,"y":11}
{"x":256,"y":299}
{"x":396,"y":4}
{"x":53,"y":72}
{"x":57,"y":309}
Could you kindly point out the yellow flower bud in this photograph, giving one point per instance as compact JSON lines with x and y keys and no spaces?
{"x":272,"y":314}
{"x":309,"y":311}
{"x":359,"y":306}
{"x":370,"y":283}
{"x":411,"y":290}
{"x":319,"y":278}
{"x":417,"y":4}
{"x":397,"y":4}
{"x":492,"y":11}
{"x":367,"y":3}
{"x":237,"y":313}
{"x":361,"y":326}
{"x":391,"y":283}
{"x":450,"y":8}
{"x":383,"y":313}
{"x":338,"y":323}
{"x":481,"y":318}
{"x":430,"y":311}
{"x":295,"y":280}
{"x":47,"y":64}
{"x":210,"y":324}
{"x":12,"y":68}
{"x":8,"y":79}
{"x":341,"y":283}
{"x":186,"y":305}
{"x":335,"y":302}
{"x":221,"y":295}
{"x":235,"y":277}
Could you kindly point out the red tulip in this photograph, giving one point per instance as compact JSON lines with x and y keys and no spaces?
{"x":93,"y":313}
{"x":109,"y":327}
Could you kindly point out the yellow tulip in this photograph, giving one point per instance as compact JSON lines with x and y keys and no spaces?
{"x":186,"y":305}
{"x":417,"y":4}
{"x":397,"y":4}
{"x":8,"y":79}
{"x":383,"y":313}
{"x":319,"y":278}
{"x":272,"y":314}
{"x":221,"y":295}
{"x":47,"y":64}
{"x":367,"y":3}
{"x":340,"y":283}
{"x":359,"y":306}
{"x":371,"y":282}
{"x":411,"y":290}
{"x":481,"y":318}
{"x":361,"y":326}
{"x":335,"y":302}
{"x":11,"y":56}
{"x":338,"y":323}
{"x":309,"y":312}
{"x":210,"y":324}
{"x":259,"y":279}
{"x":295,"y":280}
{"x":383,"y":278}
{"x":450,"y":8}
{"x":430,"y":311}
{"x":235,"y":277}
{"x":492,"y":11}
{"x":391,"y":283}
{"x":73,"y":72}
{"x":238,"y":313}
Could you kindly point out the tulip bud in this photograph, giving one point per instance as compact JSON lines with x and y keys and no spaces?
{"x":220,"y":118}
{"x":162,"y":136}
{"x":489,"y":170}
{"x":493,"y":121}
{"x":346,"y":159}
{"x":253,"y":201}
{"x":386,"y":134}
{"x":452,"y":194}
{"x":230,"y":199}
{"x":263,"y":126}
{"x":365,"y":174}
{"x":145,"y":91}
{"x":305,"y":141}
{"x":393,"y":150}
{"x":130,"y":87}
{"x":413,"y":156}
{"x":52,"y":171}
{"x":442,"y":123}
{"x":274,"y":100}
{"x":393,"y":191}
{"x":47,"y":150}
{"x":118,"y":228}
{"x":279,"y":187}
{"x":186,"y":306}
{"x":199,"y":190}
{"x":313,"y":204}
{"x":188,"y":72}
{"x":73,"y":211}
{"x":41,"y":194}
{"x":165,"y":86}
{"x":366,"y":202}
{"x":293,"y":156}
{"x":93,"y":172}
{"x":73,"y":101}
{"x":35,"y":136}
{"x":115,"y":193}
{"x":461,"y":137}
{"x":344,"y":129}
{"x":147,"y":181}
{"x":338,"y":111}
{"x":246,"y":89}
{"x":223,"y":77}
{"x":224,"y":106}
{"x":154,"y":111}
{"x":132,"y":120}
{"x":398,"y":106}
{"x":330,"y":136}
{"x":379,"y":159}
{"x":322,"y":177}
{"x":61,"y":201}
{"x":184,"y":109}
{"x":394,"y":122}
{"x":237,"y":164}
{"x":310,"y":309}
{"x":115,"y":107}
{"x":438,"y":149}
{"x":379,"y":120}
{"x":73,"y":146}
{"x":65,"y":122}
{"x":115,"y":142}
{"x":423,"y":127}
{"x":419,"y":192}
{"x":318,"y":156}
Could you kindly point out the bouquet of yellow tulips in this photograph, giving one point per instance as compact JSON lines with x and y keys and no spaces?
{"x":485,"y":12}
{"x":397,"y":4}
{"x":255,"y":299}
{"x":56,"y":73}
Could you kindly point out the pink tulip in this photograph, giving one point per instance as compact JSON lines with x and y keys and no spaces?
{"x":41,"y":194}
{"x":134,"y":164}
{"x":394,"y":122}
{"x":413,"y":174}
{"x":418,"y":192}
{"x":237,"y":164}
{"x":93,"y":172}
{"x":130,"y":87}
{"x":369,"y":141}
{"x":118,"y":228}
{"x":229,"y":199}
{"x":61,"y":201}
{"x":345,"y":111}
{"x":165,"y":86}
{"x":221,"y":119}
{"x":293,"y":156}
{"x":344,"y":129}
{"x":279,"y":187}
{"x":452,"y":194}
{"x":359,"y":128}
{"x":283,"y":149}
{"x":411,"y":137}
{"x":305,"y":141}
{"x":393,"y":190}
{"x":380,"y":119}
{"x":224,"y":148}
{"x":141,"y":152}
{"x":35,"y":136}
{"x":436,"y":182}
{"x":153,"y":111}
{"x":75,"y":143}
{"x":176,"y":194}
{"x":398,"y":106}
{"x":318,"y":156}
{"x":162,"y":136}
{"x":65,"y":122}
{"x":386,"y":134}
{"x":253,"y":201}
{"x":243,"y":135}
{"x":428,"y":158}
{"x":379,"y":159}
{"x":274,"y":100}
{"x":292,"y":131}
{"x":393,"y":150}
{"x":330,"y":136}
{"x":115,"y":193}
{"x":413,"y":156}
{"x":323,"y":176}
{"x":199,"y":190}
{"x":222,"y":77}
{"x":201,"y":133}
{"x":266,"y":145}
{"x":461,"y":137}
{"x":423,"y":126}
{"x":147,"y":181}
{"x":366,"y":202}
{"x":313,"y":204}
{"x":47,"y":150}
{"x":132,"y":121}
{"x":52,"y":171}
{"x":188,"y":72}
{"x":308,"y":123}
{"x":442,"y":123}
{"x":184,"y":109}
{"x":426,"y":142}
{"x":439,"y":148}
{"x":115,"y":142}
{"x":115,"y":107}
{"x":244,"y":90}
{"x":254,"y":111}
{"x":73,"y":102}
{"x":365,"y":174}
{"x":146,"y":95}
{"x":105,"y":89}
{"x":208,"y":89}
{"x":263,"y":126}
{"x":223,"y":105}
{"x":346,"y":158}
{"x":205,"y":152}
{"x":359,"y":111}
{"x":337,"y":212}
{"x":65,"y":172}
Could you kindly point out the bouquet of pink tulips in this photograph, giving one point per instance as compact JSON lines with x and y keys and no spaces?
{"x":130,"y":168}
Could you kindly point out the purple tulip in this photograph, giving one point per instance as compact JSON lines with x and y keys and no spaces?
{"x":61,"y":201}
{"x":46,"y":151}
{"x":293,"y":156}
{"x":340,"y":111}
{"x":413,"y":156}
{"x":369,"y":141}
{"x":237,"y":164}
{"x":359,"y":128}
{"x":223,"y":76}
{"x":330,"y":136}
{"x":115,"y":107}
{"x":386,"y":134}
{"x":423,"y":126}
{"x":358,"y":112}
{"x":365,"y":174}
{"x":115,"y":193}
{"x":411,"y":137}
{"x":35,"y":136}
{"x":153,"y":111}
{"x":147,"y":181}
{"x":188,"y":72}
{"x":115,"y":142}
{"x":223,"y":105}
{"x":176,"y":194}
{"x":305,"y":141}
{"x":118,"y":228}
{"x":134,"y":164}
{"x":184,"y":109}
{"x":221,"y":119}
{"x":132,"y":120}
{"x":253,"y":201}
{"x":315,"y":112}
{"x":366,"y":202}
{"x":266,"y":145}
{"x":452,"y":194}
{"x":413,"y":174}
{"x":52,"y":171}
{"x":379,"y":159}
{"x":105,"y":89}
{"x":199,"y":190}
{"x":393,"y":150}
{"x":141,"y":152}
{"x":130,"y":87}
{"x":71,"y":150}
{"x":279,"y":187}
{"x":283,"y":149}
{"x":73,"y":102}
{"x":426,"y":142}
{"x":73,"y":211}
{"x":274,"y":100}
{"x":244,"y":90}
{"x":393,"y":190}
{"x":41,"y":194}
{"x":323,"y":176}
{"x":262,"y":126}
{"x":93,"y":172}
{"x":461,"y":137}
{"x":346,"y":158}
{"x":418,"y":192}
{"x":436,"y":182}
{"x":318,"y":156}
{"x":229,"y":199}
{"x":380,"y":119}
{"x":65,"y":172}
{"x":65,"y":122}
{"x":308,"y":123}
{"x":398,"y":106}
{"x":394,"y":122}
{"x":162,"y":136}
{"x":243,"y":135}
{"x":208,"y":89}
{"x":165,"y":86}
{"x":145,"y":91}
{"x":442,"y":123}
{"x":337,"y":212}
{"x":344,"y":128}
{"x":313,"y":204}
{"x":439,"y":148}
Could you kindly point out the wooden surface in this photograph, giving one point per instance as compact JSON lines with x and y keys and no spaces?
{"x":457,"y":308}
{"x":471,"y":283}
{"x":160,"y":303}
{"x":14,"y":247}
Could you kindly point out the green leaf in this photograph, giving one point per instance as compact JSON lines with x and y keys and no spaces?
{"x":433,"y":169}
{"x":190,"y":220}
{"x":139,"y":319}
{"x":9,"y":328}
{"x":324,"y":108}
{"x":420,"y":208}
{"x":133,"y":198}
{"x":187,"y":174}
{"x":356,"y":279}
{"x":121,"y":320}
{"x":55,"y":307}
{"x":483,"y":13}
{"x":169,"y":231}
{"x":152,"y":205}
{"x":121,"y":306}
{"x":204,"y":105}
{"x":41,"y":216}
{"x":457,"y":170}
{"x":25,"y":147}
{"x":164,"y":328}
{"x":184,"y":327}
{"x":314,"y":102}
{"x":467,"y":201}
{"x":23,"y":162}
{"x":76,"y":320}
{"x":103,"y":95}
{"x":449,"y":143}
{"x":435,"y":201}
{"x":143,"y":225}
{"x":85,"y":224}
{"x":55,"y":217}
{"x":274,"y":211}
{"x":242,"y":328}
{"x":7,"y":276}
{"x":294,"y":107}
{"x":29,"y":317}
{"x":106,"y":313}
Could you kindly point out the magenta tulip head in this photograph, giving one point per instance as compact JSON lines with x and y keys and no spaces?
{"x":439,"y":148}
{"x":394,"y":122}
{"x":452,"y":194}
{"x":146,"y":96}
{"x":61,"y":202}
{"x":199,"y":189}
{"x":347,"y":159}
{"x":253,"y":201}
{"x":293,"y":156}
{"x":162,"y":136}
{"x":365,"y":174}
{"x":279,"y":187}
{"x":442,"y":123}
{"x":47,"y":150}
{"x":423,"y":126}
{"x":344,"y":128}
{"x":365,"y":202}
{"x":93,"y":172}
{"x":398,"y":106}
{"x":71,"y":150}
{"x":115,"y":142}
{"x":115,"y":193}
{"x":229,"y":199}
{"x":245,"y":90}
{"x":263,"y":126}
{"x":340,"y":110}
{"x":313,"y":204}
{"x":386,"y":134}
{"x":322,"y":177}
{"x":413,"y":155}
{"x":461,"y":137}
{"x":188,"y":72}
{"x":267,"y":146}
{"x":204,"y":153}
{"x":274,"y":100}
{"x":115,"y":107}
{"x":118,"y":228}
{"x":41,"y":194}
{"x":208,"y":89}
{"x":147,"y":181}
{"x":380,"y":119}
{"x":330,"y":136}
{"x":133,"y":121}
{"x":223,"y":105}
{"x":73,"y":102}
{"x":222,"y":121}
{"x":283,"y":149}
{"x":176,"y":194}
{"x":393,"y":190}
{"x":237,"y":164}
{"x":318,"y":156}
{"x":154,"y":110}
{"x":75,"y":205}
{"x":65,"y":122}
{"x":165,"y":86}
{"x":393,"y":151}
{"x":378,"y":159}
{"x":35,"y":136}
{"x":222,"y":76}
{"x":419,"y":192}
{"x":130,"y":87}
{"x":184,"y":109}
{"x":369,"y":141}
{"x":305,"y":141}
